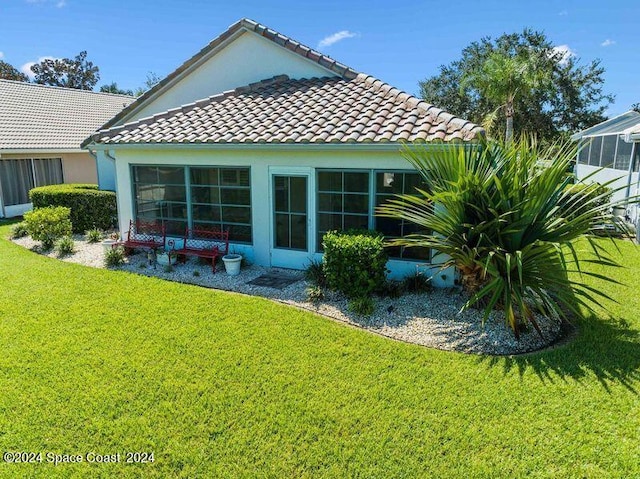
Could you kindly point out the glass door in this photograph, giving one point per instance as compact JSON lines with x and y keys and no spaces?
{"x":290,"y":220}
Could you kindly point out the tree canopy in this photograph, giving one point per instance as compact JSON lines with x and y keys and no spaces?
{"x":76,"y":73}
{"x":9,"y":72}
{"x":114,"y":88}
{"x":571,"y":99}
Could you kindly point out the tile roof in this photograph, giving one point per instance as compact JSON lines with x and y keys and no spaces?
{"x":44,"y":117}
{"x":241,"y":25}
{"x":281,"y":110}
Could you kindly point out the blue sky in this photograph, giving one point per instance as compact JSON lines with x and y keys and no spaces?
{"x":400,"y":42}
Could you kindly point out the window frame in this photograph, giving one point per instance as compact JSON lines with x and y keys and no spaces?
{"x":189,"y":203}
{"x":372,"y":196}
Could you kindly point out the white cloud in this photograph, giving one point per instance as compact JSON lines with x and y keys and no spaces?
{"x":563,"y":13}
{"x":563,"y":53}
{"x":26,"y":68}
{"x":608,"y":42}
{"x":1,"y":55}
{"x":61,"y":4}
{"x":335,"y":38}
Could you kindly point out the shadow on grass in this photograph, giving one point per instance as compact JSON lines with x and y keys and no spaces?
{"x":604,"y":347}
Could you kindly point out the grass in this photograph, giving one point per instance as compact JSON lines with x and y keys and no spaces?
{"x":222,"y":385}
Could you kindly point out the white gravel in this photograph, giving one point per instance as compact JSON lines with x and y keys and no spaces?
{"x":430,"y":319}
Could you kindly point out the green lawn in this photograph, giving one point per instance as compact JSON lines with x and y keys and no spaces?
{"x":222,"y":385}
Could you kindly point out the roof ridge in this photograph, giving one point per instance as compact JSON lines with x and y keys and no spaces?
{"x":68,"y":89}
{"x":414,"y":102}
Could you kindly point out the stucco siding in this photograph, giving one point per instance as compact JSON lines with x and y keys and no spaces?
{"x":262,"y":164}
{"x":248,"y":59}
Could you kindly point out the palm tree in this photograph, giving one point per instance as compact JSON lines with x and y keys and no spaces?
{"x":501,"y":79}
{"x":506,"y":223}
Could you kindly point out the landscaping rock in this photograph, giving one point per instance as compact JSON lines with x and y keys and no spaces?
{"x":430,"y":319}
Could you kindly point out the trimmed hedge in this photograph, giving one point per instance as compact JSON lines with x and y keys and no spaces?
{"x":90,"y":207}
{"x":354,"y":262}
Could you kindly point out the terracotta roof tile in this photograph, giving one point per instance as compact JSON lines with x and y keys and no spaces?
{"x":281,"y":110}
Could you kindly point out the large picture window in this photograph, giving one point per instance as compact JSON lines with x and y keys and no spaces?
{"x":343,"y":201}
{"x":199,"y":197}
{"x":388,"y":184}
{"x":221,"y":197}
{"x":160,"y":194}
{"x":19,"y":176}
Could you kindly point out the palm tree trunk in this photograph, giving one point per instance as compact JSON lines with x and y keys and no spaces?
{"x":509,"y":115}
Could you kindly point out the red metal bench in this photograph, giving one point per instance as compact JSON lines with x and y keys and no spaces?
{"x":143,"y":234}
{"x":204,"y":244}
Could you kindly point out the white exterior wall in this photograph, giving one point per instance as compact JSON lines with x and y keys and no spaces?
{"x":620,"y":180}
{"x":260,"y":161}
{"x":249,"y":58}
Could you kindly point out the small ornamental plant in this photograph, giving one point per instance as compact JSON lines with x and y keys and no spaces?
{"x":94,"y":235}
{"x":65,"y":246}
{"x":114,"y":257}
{"x":48,"y":224}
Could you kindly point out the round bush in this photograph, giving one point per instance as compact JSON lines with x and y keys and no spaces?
{"x":48,"y":224}
{"x":354,"y":262}
{"x":90,"y":207}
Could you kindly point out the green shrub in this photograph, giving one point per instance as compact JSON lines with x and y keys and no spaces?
{"x":19,"y":230}
{"x":354,"y":262}
{"x":114,"y":257}
{"x":48,"y":224}
{"x":94,"y":235}
{"x":315,"y":274}
{"x":90,"y":207}
{"x":65,"y":246}
{"x":315,"y":294}
{"x":363,"y":306}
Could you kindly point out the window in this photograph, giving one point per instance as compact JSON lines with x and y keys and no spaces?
{"x":343,"y":201}
{"x":201,"y":197}
{"x":623,"y":155}
{"x":583,"y":154}
{"x":17,"y":177}
{"x":221,"y":197}
{"x":608,"y":150}
{"x":160,"y":195}
{"x":594,"y":152}
{"x":388,"y":184}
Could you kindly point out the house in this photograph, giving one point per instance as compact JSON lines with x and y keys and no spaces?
{"x":41,"y":128}
{"x":278,"y":143}
{"x":610,"y":151}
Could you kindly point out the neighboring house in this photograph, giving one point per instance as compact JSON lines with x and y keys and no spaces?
{"x":41,"y":128}
{"x":274,"y":141}
{"x":611,"y":151}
